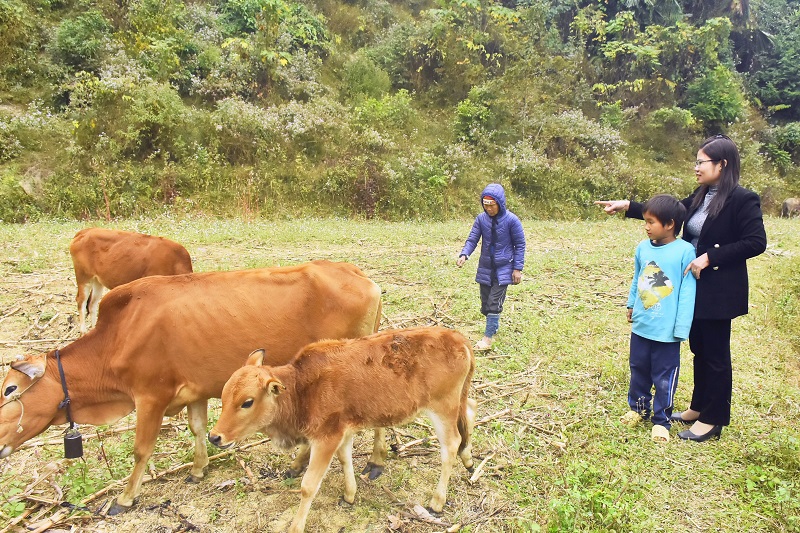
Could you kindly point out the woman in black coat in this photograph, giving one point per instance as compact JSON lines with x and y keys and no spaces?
{"x":725,"y":224}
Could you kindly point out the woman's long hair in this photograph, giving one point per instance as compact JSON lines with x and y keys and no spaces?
{"x":719,"y":148}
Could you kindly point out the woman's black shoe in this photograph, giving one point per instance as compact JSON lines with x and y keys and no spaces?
{"x":677,"y":417}
{"x":715,"y":431}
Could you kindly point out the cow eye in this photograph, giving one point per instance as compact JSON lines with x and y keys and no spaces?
{"x":247,"y":403}
{"x":9,"y":390}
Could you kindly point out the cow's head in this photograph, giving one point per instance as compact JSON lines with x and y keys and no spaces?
{"x":28,"y":404}
{"x":248,"y":402}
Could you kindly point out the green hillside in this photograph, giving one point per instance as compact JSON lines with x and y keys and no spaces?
{"x":387,"y":109}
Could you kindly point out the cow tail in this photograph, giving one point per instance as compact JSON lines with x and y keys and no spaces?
{"x":466,"y":420}
{"x":378,"y":314}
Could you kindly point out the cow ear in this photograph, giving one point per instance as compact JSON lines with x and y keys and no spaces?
{"x":256,"y":357}
{"x":32,"y":366}
{"x":275,"y":387}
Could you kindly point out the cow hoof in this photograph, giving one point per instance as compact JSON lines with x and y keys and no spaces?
{"x":434,"y":513}
{"x":291,"y":474}
{"x":373,"y":470}
{"x":118,"y":509}
{"x":192,"y":479}
{"x":471,"y":468}
{"x":345,"y":503}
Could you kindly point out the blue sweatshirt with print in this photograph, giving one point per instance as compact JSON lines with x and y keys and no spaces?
{"x":661,"y":297}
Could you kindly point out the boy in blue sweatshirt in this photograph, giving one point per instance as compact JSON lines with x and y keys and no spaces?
{"x":661,"y":307}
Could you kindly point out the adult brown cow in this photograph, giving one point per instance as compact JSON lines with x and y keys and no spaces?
{"x":107,"y":258}
{"x":790,"y":207}
{"x":327,"y":393}
{"x":163,"y":343}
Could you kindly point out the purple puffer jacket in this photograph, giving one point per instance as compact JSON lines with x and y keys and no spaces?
{"x":509,"y":244}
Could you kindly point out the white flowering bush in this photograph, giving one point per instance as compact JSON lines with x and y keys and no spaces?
{"x":246,"y":132}
{"x":530,"y":172}
{"x":571,"y":133}
{"x":316,"y":126}
{"x":299,"y":77}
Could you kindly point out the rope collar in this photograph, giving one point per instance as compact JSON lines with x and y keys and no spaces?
{"x":66,"y":401}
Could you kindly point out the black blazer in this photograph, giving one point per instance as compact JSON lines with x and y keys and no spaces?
{"x":733,"y":236}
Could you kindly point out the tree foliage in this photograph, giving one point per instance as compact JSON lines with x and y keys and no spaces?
{"x":385,"y":108}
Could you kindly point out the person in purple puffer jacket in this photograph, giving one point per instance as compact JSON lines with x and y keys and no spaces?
{"x":502,"y":256}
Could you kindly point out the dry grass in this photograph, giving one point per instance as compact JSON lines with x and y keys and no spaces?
{"x":552,"y":453}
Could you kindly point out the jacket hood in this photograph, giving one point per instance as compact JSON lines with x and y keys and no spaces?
{"x":496,"y":191}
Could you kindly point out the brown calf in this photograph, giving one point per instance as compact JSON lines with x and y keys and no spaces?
{"x":107,"y":258}
{"x":163,"y":343}
{"x":329,"y":392}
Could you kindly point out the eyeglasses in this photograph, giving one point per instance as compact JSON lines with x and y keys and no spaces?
{"x":701,"y":161}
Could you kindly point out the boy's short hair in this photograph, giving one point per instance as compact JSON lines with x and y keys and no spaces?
{"x":666,"y":208}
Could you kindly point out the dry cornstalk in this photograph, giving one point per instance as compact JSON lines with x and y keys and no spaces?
{"x":498,"y":414}
{"x":479,"y":470}
{"x":48,"y":322}
{"x":505,"y":394}
{"x":534,"y":426}
{"x":416,"y":442}
{"x":40,"y":341}
{"x":9,"y":313}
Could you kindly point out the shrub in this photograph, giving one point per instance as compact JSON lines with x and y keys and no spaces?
{"x":390,"y":112}
{"x":15,"y":204}
{"x":474,"y":118}
{"x":572,"y":134}
{"x":20,"y":42}
{"x":249,"y":133}
{"x":10,"y":146}
{"x":612,"y":115}
{"x":671,"y":118}
{"x":716,"y":98}
{"x":556,"y":186}
{"x":316,"y":126}
{"x":249,"y":16}
{"x":81,"y":41}
{"x":299,"y":77}
{"x":423,"y":184}
{"x":245,"y":132}
{"x":131,"y":117}
{"x":31,"y":130}
{"x":363,"y":78}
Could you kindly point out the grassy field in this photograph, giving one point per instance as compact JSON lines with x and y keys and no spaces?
{"x":550,"y":394}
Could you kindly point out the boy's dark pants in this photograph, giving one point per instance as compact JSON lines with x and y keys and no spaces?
{"x":710,"y":342}
{"x":653,"y":363}
{"x":492,"y":298}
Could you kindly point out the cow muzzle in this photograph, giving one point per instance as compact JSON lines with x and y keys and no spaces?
{"x":216,"y":440}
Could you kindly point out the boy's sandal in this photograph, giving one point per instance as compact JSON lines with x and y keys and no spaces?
{"x":631,"y":419}
{"x":482,"y":346}
{"x":660,"y":434}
